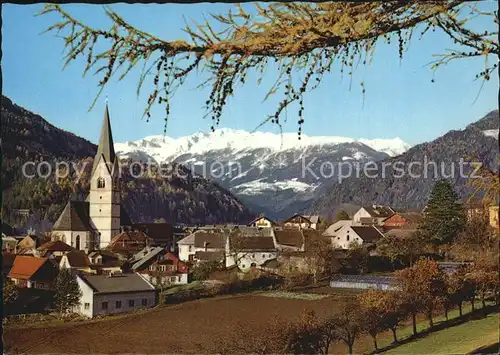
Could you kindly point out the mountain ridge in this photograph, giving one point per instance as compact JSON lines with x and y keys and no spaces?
{"x":476,"y":142}
{"x":28,"y":137}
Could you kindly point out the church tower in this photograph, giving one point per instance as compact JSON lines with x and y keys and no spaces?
{"x":104,"y":196}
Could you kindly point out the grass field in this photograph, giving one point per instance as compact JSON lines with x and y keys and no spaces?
{"x":191,"y":327}
{"x":460,"y":339}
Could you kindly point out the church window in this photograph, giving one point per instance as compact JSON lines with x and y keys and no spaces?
{"x":100,"y":183}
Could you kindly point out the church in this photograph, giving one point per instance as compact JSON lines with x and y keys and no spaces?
{"x":92,"y":224}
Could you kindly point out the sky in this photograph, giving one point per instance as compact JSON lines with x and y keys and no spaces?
{"x":400,"y":100}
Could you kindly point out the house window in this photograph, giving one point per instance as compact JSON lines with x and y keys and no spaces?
{"x":86,"y":305}
{"x":144,"y":301}
{"x":118,"y":304}
{"x":104,"y":305}
{"x":263,"y":256}
{"x":151,"y":267}
{"x":77,"y":242}
{"x":100,"y":183}
{"x":190,"y":248}
{"x":348,"y":237}
{"x":131,"y":303}
{"x":173,"y":279}
{"x":243,"y":266}
{"x":162,"y":267}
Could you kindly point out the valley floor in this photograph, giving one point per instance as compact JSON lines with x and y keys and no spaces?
{"x":198,"y":326}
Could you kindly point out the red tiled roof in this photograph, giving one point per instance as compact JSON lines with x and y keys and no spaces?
{"x":25,"y":267}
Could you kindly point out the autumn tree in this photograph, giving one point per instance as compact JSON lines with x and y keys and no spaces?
{"x":422,"y":289}
{"x":303,"y":42}
{"x":404,"y":246}
{"x":348,"y":321}
{"x":320,"y":259}
{"x":372,"y":308}
{"x":394,"y":312}
{"x":444,"y":217}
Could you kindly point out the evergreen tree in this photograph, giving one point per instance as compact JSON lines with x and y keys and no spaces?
{"x":342,"y":216}
{"x":444,"y":217}
{"x":66,"y":291}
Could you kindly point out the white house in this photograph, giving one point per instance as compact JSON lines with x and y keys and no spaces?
{"x":201,"y":241}
{"x":116,"y":293}
{"x":372,"y":215}
{"x":262,"y":222}
{"x":315,"y":220}
{"x":335,"y":228}
{"x":362,"y":235}
{"x":250,"y":252}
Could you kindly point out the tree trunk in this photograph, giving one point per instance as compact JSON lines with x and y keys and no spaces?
{"x":472,"y":304}
{"x":429,"y":316}
{"x":394,"y":335}
{"x":350,"y":348}
{"x":446,"y":311}
{"x":460,"y":308}
{"x":374,"y":337}
{"x":483,"y":301}
{"x":414,"y":323}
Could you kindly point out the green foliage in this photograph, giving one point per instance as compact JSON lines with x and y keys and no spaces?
{"x":66,"y":291}
{"x":342,"y":216}
{"x":444,"y":217}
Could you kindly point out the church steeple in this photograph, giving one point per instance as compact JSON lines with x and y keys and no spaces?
{"x":105,"y":147}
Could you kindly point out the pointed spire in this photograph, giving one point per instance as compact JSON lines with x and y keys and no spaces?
{"x":105,"y":147}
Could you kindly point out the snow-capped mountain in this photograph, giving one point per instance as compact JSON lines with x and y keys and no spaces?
{"x":276,"y":173}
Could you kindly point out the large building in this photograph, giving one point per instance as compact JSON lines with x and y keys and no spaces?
{"x":92,"y":224}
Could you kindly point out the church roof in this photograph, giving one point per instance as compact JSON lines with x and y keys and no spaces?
{"x":74,"y":217}
{"x":105,"y":148}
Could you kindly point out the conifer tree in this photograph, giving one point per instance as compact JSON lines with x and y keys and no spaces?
{"x":444,"y":217}
{"x":66,"y":291}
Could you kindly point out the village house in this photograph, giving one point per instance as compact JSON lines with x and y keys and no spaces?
{"x":8,"y":243}
{"x":262,"y":222}
{"x":54,"y":249}
{"x":372,"y":215}
{"x":402,"y":220}
{"x":362,"y":235}
{"x":160,"y":234}
{"x":106,"y":262}
{"x":249,"y":252}
{"x":165,"y":271}
{"x":114,"y":293}
{"x":75,"y":260}
{"x":202,"y":241}
{"x":291,"y":239}
{"x":130,"y":242}
{"x":336,"y":227}
{"x":29,"y":244}
{"x":33,"y":272}
{"x":314,"y":219}
{"x":298,"y":221}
